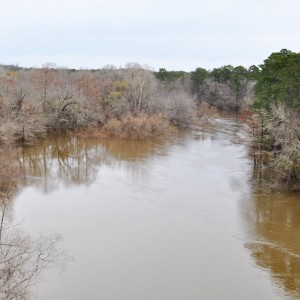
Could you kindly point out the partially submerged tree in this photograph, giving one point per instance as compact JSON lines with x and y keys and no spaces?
{"x":274,"y":122}
{"x":37,"y":101}
{"x":284,"y":127}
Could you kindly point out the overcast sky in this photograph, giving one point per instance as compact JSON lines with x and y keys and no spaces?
{"x":179,"y":35}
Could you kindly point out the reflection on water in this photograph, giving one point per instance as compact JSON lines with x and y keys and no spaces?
{"x":175,"y":218}
{"x":71,"y":160}
{"x":61,"y":159}
{"x":272,"y":220}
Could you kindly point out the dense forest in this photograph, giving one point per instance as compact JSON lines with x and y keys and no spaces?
{"x":126,"y":102}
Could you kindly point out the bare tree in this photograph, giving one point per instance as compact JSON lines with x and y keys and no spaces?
{"x":140,"y":85}
{"x":274,"y":141}
{"x":95,"y":89}
{"x":284,"y":128}
{"x":42,"y":82}
{"x":177,"y":105}
{"x":23,"y":260}
{"x":66,"y":107}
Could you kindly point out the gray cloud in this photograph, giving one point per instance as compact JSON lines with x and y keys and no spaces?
{"x":172,"y":34}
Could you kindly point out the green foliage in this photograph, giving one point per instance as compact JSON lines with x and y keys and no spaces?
{"x":238,"y":81}
{"x":235,"y":77}
{"x":199,"y":75}
{"x":278,"y":81}
{"x":239,"y":73}
{"x":198,"y":78}
{"x":222,"y":74}
{"x":115,"y":103}
{"x":230,"y":74}
{"x":120,"y":86}
{"x":253,"y":72}
{"x":168,"y":76}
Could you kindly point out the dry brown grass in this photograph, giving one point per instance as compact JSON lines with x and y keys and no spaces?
{"x":139,"y":127}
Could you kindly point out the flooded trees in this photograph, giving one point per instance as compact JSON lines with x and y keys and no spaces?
{"x":19,"y":121}
{"x":38,"y":101}
{"x":284,"y":127}
{"x":274,"y":124}
{"x":274,"y":141}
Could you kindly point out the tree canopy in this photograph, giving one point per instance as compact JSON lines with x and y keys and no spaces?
{"x":278,"y":81}
{"x":168,"y":76}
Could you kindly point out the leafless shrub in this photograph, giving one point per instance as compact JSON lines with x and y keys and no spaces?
{"x":274,"y":141}
{"x":176,"y":104}
{"x":8,"y":129}
{"x":139,"y":127}
{"x":30,"y":129}
{"x":285,"y":131}
{"x":22,"y":129}
{"x":205,"y":111}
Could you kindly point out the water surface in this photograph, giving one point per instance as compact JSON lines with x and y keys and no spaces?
{"x":176,"y":218}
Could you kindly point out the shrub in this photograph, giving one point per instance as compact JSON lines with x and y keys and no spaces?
{"x":206,"y":111}
{"x":139,"y":127}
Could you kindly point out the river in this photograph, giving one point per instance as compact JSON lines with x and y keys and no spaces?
{"x":167,"y":219}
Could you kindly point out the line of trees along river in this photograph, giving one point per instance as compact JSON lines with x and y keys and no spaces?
{"x":132,"y":99}
{"x":136,"y":102}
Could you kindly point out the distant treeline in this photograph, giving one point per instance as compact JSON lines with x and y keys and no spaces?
{"x":225,"y":74}
{"x":226,"y":87}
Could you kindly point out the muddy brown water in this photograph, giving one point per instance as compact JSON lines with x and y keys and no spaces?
{"x":166,"y":219}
